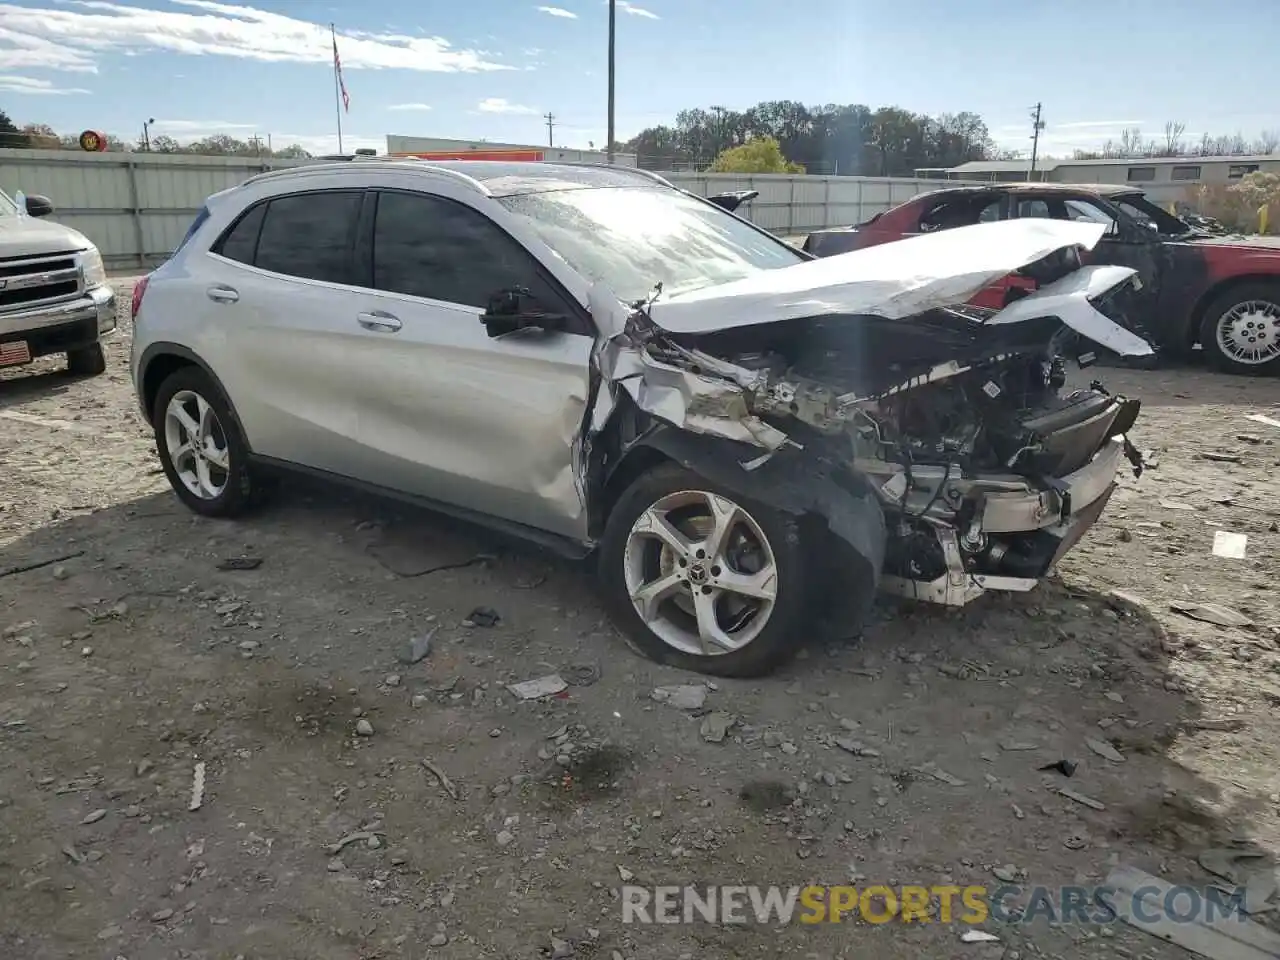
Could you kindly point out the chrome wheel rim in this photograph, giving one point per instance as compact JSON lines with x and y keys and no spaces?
{"x":196,"y":445}
{"x":1249,"y":332}
{"x":700,"y":573}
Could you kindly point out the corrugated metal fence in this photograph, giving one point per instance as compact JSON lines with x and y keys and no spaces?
{"x":137,"y":206}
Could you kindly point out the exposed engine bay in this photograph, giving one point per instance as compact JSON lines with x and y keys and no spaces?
{"x":987,"y":468}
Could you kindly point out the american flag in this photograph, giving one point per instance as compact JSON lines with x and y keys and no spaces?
{"x":14,"y":353}
{"x":337,"y":69}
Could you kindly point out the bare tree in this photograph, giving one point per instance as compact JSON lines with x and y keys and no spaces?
{"x":1130,"y":142}
{"x":1267,"y":141}
{"x":1173,"y":131}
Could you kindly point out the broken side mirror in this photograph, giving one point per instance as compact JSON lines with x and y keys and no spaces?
{"x":518,"y":309}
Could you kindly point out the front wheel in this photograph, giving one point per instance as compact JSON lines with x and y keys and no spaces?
{"x":200,"y":446}
{"x":703,"y":579}
{"x":1241,"y":330}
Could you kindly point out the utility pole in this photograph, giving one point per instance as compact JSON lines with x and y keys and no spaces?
{"x":146,"y":133}
{"x":256,"y":142}
{"x":719,"y":112}
{"x":551,"y":122}
{"x":1036,"y":126}
{"x":613,"y":16}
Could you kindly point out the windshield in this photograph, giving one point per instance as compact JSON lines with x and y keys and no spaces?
{"x":7,"y":207}
{"x":632,"y":238}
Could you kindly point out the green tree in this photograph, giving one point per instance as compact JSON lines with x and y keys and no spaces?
{"x":10,"y":135}
{"x":762,"y":155}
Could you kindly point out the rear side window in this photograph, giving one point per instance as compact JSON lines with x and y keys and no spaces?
{"x":240,"y":243}
{"x":434,"y":248}
{"x":310,"y":235}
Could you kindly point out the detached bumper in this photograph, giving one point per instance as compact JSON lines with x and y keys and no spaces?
{"x":1028,"y":534}
{"x":58,"y":327}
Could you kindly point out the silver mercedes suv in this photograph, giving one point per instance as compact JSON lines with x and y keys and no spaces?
{"x":595,"y":360}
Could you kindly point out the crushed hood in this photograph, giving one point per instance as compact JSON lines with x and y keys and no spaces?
{"x":892,"y":280}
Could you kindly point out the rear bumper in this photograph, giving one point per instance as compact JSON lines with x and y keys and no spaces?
{"x":1040,"y":525}
{"x":56,"y":328}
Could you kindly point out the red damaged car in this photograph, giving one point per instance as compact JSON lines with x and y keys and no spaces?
{"x":1222,"y":292}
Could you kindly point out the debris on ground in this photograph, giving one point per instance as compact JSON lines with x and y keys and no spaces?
{"x":581,"y":674}
{"x":197,"y":787}
{"x":418,"y":647}
{"x":978,"y":936}
{"x":240,"y":563}
{"x":1214,"y":613}
{"x":1082,"y":799}
{"x":1064,"y":766}
{"x":689,"y":696}
{"x":1221,"y":457}
{"x":93,"y":817}
{"x":448,"y":785}
{"x":360,"y":836}
{"x":1104,"y":750}
{"x":1225,"y":862}
{"x":1143,"y":901}
{"x":364,"y":728}
{"x":1230,"y":545}
{"x":1263,"y":418}
{"x":541,"y":687}
{"x":482,"y":617}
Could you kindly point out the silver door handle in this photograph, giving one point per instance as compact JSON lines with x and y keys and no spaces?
{"x":222,"y":293}
{"x":379,"y":321}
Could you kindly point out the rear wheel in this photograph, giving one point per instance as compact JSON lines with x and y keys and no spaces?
{"x":90,"y":361}
{"x":701,"y":578}
{"x":200,"y":445}
{"x":1241,"y":330}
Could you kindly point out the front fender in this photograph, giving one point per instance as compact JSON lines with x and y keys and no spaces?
{"x":789,"y":481}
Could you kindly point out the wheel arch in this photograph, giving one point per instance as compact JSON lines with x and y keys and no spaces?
{"x":160,"y":361}
{"x":1201,"y":309}
{"x":786,"y":481}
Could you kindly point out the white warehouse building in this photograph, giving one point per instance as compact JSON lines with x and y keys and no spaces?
{"x":437,"y":148}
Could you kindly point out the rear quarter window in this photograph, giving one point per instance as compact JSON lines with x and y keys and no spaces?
{"x":196,"y":224}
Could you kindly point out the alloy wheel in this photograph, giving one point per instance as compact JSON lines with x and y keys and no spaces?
{"x":1249,"y":333}
{"x":197,"y":445}
{"x":700,"y":573}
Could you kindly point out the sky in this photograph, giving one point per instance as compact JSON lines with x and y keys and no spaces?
{"x":490,"y":69}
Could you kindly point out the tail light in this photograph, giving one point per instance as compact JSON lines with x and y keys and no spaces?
{"x":139,"y":289}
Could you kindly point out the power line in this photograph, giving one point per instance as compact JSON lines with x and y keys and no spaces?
{"x":551,"y":122}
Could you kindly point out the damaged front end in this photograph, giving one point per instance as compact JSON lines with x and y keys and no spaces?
{"x":877,"y":379}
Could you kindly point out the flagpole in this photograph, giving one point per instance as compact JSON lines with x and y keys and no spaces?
{"x":337,"y":94}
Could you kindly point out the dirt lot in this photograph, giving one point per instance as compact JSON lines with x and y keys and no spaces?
{"x":135,"y":657}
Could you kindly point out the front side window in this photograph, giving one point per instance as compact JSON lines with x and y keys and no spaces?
{"x":633,"y":238}
{"x":309,"y":235}
{"x":430,"y":247}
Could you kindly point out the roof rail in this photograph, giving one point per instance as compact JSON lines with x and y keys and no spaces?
{"x":647,"y":174}
{"x":340,"y":163}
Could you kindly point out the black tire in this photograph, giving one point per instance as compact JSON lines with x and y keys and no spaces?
{"x":1217,"y":309}
{"x":242,"y":490}
{"x":90,"y":361}
{"x":782,"y":635}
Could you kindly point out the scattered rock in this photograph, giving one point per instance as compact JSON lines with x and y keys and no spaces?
{"x":1014,"y":746}
{"x":94,"y":817}
{"x":978,"y":936}
{"x":392,"y":680}
{"x":856,"y":747}
{"x":336,"y":865}
{"x":690,"y":696}
{"x":715,"y":726}
{"x":1211,"y":613}
{"x":438,"y":940}
{"x":624,"y":874}
{"x":1008,"y":873}
{"x":561,"y":949}
{"x":482,"y":617}
{"x":110,"y":933}
{"x":505,"y":838}
{"x":364,"y":728}
{"x":160,"y":916}
{"x":788,"y":748}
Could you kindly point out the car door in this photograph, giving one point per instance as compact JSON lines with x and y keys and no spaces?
{"x":442,"y":410}
{"x":279,"y":282}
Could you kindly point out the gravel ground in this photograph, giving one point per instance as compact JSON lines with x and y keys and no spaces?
{"x":133,"y":659}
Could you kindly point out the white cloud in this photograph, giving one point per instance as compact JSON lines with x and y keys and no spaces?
{"x":185,"y":131}
{"x":500,"y":105}
{"x":558,"y":12}
{"x":410,"y":106}
{"x":1082,"y":124}
{"x":635,"y":11}
{"x":14,"y":84}
{"x":77,"y":33}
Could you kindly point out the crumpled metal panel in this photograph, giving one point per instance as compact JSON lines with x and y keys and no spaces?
{"x":892,"y":280}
